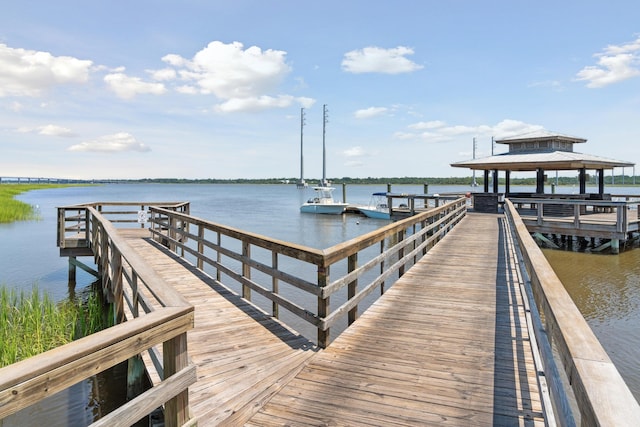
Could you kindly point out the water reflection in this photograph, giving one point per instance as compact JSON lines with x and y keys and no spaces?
{"x":606,"y":290}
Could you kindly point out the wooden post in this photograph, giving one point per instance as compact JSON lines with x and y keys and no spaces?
{"x":615,"y":246}
{"x":382,"y":266}
{"x":135,"y":377}
{"x":352,"y":262}
{"x":200,"y":246}
{"x":275,"y":284}
{"x":246,"y":270}
{"x":116,"y":285}
{"x":136,"y":295}
{"x":219,"y":257}
{"x":401,"y":252}
{"x":72,"y":270}
{"x":323,"y":306}
{"x":175,"y":358}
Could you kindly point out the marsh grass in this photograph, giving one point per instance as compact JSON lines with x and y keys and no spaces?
{"x":15,"y":210}
{"x":32,"y":322}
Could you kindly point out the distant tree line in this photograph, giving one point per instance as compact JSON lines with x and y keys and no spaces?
{"x":592,"y":180}
{"x":466,"y":180}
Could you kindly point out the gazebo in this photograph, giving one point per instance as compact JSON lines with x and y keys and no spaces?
{"x":542,"y":151}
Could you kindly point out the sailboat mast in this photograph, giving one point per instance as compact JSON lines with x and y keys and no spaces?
{"x":474,"y":183}
{"x":324,"y":153}
{"x":301,"y":183}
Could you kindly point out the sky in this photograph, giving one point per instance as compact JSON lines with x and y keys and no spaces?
{"x":234,"y":89}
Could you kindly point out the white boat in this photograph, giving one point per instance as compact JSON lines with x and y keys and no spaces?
{"x":323,"y":203}
{"x":377,"y":207}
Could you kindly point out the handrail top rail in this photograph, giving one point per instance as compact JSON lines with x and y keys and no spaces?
{"x":125,"y":203}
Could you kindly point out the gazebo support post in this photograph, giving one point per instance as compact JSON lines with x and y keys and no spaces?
{"x":507,"y":182}
{"x":540,"y":181}
{"x":601,"y":181}
{"x":583,"y":180}
{"x":495,"y":181}
{"x":486,"y":180}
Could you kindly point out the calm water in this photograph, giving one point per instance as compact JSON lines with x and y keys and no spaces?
{"x":606,"y":288}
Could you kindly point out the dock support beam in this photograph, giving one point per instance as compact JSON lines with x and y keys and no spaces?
{"x":135,"y":377}
{"x":72,"y":270}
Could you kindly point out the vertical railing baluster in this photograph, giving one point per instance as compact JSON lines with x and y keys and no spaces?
{"x":275,"y":284}
{"x":323,"y":306}
{"x":352,"y":287}
{"x":246,"y":270}
{"x":200,"y":246}
{"x":382,"y":266}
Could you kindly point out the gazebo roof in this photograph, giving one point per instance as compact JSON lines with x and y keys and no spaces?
{"x":540,"y":135}
{"x":541,"y":149}
{"x":550,"y":160}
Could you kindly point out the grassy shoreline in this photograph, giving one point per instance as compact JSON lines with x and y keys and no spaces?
{"x":14,"y":210}
{"x":32,"y":322}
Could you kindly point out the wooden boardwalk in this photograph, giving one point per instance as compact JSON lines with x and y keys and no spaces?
{"x":447,"y":344}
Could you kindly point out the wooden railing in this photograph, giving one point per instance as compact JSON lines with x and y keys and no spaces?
{"x":346,"y":273}
{"x":580,"y":217}
{"x":601,"y":395}
{"x":159,"y":316}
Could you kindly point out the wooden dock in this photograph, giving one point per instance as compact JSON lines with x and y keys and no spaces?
{"x":446,"y":344}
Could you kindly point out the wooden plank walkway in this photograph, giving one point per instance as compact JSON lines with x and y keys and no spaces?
{"x":446,"y":345}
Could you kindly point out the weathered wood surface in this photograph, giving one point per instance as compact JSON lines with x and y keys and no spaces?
{"x":602,"y":396}
{"x":446,"y":345}
{"x":242,"y":355}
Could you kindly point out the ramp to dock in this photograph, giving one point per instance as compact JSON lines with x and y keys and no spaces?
{"x":447,"y":344}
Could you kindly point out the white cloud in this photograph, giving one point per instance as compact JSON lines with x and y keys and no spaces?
{"x":48,"y":130}
{"x":29,"y":72}
{"x":355,"y":156}
{"x":229,"y":71}
{"x":439,"y":131}
{"x":243,"y":79}
{"x":54,"y":130}
{"x":370,"y":112}
{"x":433,"y":124}
{"x":615,"y":64}
{"x":354,"y":152}
{"x":127,"y":87}
{"x":163,"y":74}
{"x":378,"y":60}
{"x":118,"y":142}
{"x":264,"y":102}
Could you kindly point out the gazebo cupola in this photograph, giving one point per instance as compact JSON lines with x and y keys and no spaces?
{"x":541,"y":141}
